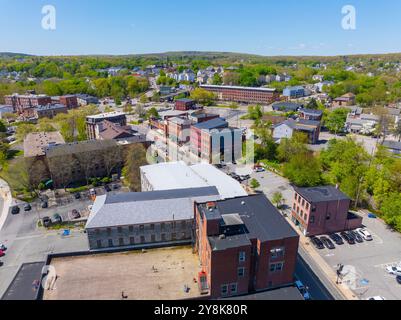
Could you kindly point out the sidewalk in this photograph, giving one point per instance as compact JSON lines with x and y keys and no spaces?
{"x":330,"y":274}
{"x":5,"y":193}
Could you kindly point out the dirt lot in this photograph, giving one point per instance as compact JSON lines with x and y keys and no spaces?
{"x":155,"y":275}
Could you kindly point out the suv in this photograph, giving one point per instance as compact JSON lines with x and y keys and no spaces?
{"x":364,"y":234}
{"x":336,"y":238}
{"x":15,"y":210}
{"x":57,"y":218}
{"x":27,"y":207}
{"x":356,"y":236}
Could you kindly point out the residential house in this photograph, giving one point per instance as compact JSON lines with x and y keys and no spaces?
{"x":345,"y":100}
{"x":287,"y":128}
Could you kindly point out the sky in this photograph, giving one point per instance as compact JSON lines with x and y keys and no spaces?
{"x":264,"y":27}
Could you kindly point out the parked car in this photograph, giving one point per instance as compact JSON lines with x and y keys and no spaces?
{"x":115,"y":186}
{"x":2,"y":253}
{"x":376,"y":298}
{"x":398,"y":278}
{"x":336,"y":238}
{"x":260,"y":169}
{"x":364,"y":234}
{"x":303,"y":290}
{"x":107,"y":188}
{"x":15,"y":210}
{"x":327,"y":242}
{"x":394,"y":270}
{"x":27,"y":207}
{"x":317,"y":243}
{"x":347,"y":237}
{"x":57,"y":218}
{"x":3,"y":247}
{"x":46,"y":222}
{"x":75,"y":214}
{"x":77,"y":195}
{"x":356,"y":236}
{"x":44,"y":205}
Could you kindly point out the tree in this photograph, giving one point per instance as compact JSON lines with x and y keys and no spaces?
{"x":255,"y":112}
{"x":152,"y":113}
{"x":303,"y":170}
{"x":203,"y":96}
{"x":217,"y":79}
{"x":135,"y":158}
{"x":143,"y":99}
{"x":391,"y":209}
{"x":254,"y":183}
{"x":335,"y":121}
{"x":290,"y":147}
{"x":278,"y":199}
{"x":312,"y":104}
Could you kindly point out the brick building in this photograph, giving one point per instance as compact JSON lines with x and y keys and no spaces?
{"x":27,"y":101}
{"x":244,"y":94}
{"x":184,"y":104}
{"x":70,"y":101}
{"x":93,"y":121}
{"x":244,"y":246}
{"x":179,"y":129}
{"x":49,"y":111}
{"x":322,"y":210}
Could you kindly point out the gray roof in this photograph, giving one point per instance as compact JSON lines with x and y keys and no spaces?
{"x":212,"y":124}
{"x":312,"y":112}
{"x":260,"y":217}
{"x":321,"y":194}
{"x":147,"y":207}
{"x":286,"y":106}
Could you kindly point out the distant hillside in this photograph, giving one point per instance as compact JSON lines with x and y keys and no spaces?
{"x":13,"y":55}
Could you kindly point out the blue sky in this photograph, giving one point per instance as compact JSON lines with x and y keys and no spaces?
{"x":266,"y":27}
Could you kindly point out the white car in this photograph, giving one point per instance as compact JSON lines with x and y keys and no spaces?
{"x":394,"y":270}
{"x":376,"y":298}
{"x":365,"y":234}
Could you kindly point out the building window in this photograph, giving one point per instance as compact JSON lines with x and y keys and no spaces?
{"x":132,"y":240}
{"x":110,"y":242}
{"x":303,"y":202}
{"x":233,"y":288}
{"x":97,"y":231}
{"x":242,"y":256}
{"x":163,"y":237}
{"x":276,"y":267}
{"x":99,"y":243}
{"x":241,"y":272}
{"x":224,"y":290}
{"x":131,"y":229}
{"x":120,"y":230}
{"x":108,"y":231}
{"x":173,"y":236}
{"x":121,"y":241}
{"x":183,"y":225}
{"x":141,"y":228}
{"x":163,"y":226}
{"x":153,"y":238}
{"x":277,"y":252}
{"x":142,"y":239}
{"x":152,"y":227}
{"x":307,"y":206}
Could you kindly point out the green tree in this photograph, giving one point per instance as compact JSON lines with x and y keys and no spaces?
{"x":278,"y":199}
{"x":254,"y":184}
{"x":135,"y":158}
{"x":391,"y":210}
{"x":303,"y":170}
{"x":335,"y":120}
{"x":203,"y":96}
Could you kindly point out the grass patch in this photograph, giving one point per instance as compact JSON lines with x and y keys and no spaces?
{"x":78,"y":189}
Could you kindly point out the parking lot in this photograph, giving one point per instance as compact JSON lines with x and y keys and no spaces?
{"x":365,"y":263}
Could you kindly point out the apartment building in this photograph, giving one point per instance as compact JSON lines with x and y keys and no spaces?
{"x":70,"y":101}
{"x":27,"y":101}
{"x":244,"y":246}
{"x":143,"y":219}
{"x":93,"y":121}
{"x":322,"y":210}
{"x":311,"y":114}
{"x":243,"y":94}
{"x":294,"y":92}
{"x":49,"y":111}
{"x":179,"y":129}
{"x":184,"y":104}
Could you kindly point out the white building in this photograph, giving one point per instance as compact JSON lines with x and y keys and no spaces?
{"x":178,"y":175}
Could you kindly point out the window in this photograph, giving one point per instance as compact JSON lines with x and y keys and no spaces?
{"x":99,"y":243}
{"x":242,"y":256}
{"x":277,"y":252}
{"x":131,"y":229}
{"x":142,"y":239}
{"x":173,"y":236}
{"x":276,"y":267}
{"x":120,"y":230}
{"x":153,"y":238}
{"x":97,"y":231}
{"x":312,"y":219}
{"x":163,"y":226}
{"x":110,"y":242}
{"x":152,"y":227}
{"x":141,"y":228}
{"x":121,"y":241}
{"x":307,"y":206}
{"x":224,"y":290}
{"x":132,"y":240}
{"x":163,"y":237}
{"x":233,"y":288}
{"x":183,"y":225}
{"x":295,"y":206}
{"x":108,"y":231}
{"x":241,"y":272}
{"x":303,"y":202}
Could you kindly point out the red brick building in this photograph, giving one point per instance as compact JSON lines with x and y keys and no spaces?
{"x":70,"y":101}
{"x":22,"y":102}
{"x":179,"y":129}
{"x":184,"y":104}
{"x":322,"y":210}
{"x":244,"y":94}
{"x":244,"y":245}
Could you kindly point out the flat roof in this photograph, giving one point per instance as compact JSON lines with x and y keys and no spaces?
{"x":107,"y":115}
{"x":26,"y":283}
{"x":147,"y":207}
{"x":239,"y":88}
{"x":178,"y":175}
{"x":212,"y":124}
{"x":321,"y":194}
{"x":261,"y":221}
{"x":35,"y":143}
{"x":159,"y":274}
